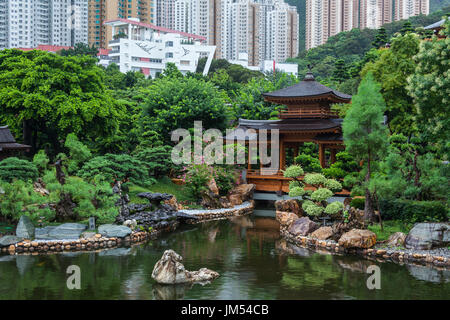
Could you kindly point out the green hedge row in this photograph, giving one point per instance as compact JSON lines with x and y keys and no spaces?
{"x":414,"y":211}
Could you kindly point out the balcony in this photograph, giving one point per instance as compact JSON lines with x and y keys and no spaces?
{"x":308,"y":113}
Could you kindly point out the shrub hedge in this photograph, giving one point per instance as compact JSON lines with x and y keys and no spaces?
{"x":414,"y":211}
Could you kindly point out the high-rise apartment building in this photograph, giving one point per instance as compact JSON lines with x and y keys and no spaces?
{"x":325,"y":18}
{"x":408,"y":8}
{"x":101,"y":11}
{"x":259,"y":29}
{"x":30,"y":23}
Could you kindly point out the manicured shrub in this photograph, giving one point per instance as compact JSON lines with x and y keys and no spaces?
{"x":333,"y":185}
{"x":225,"y":179}
{"x":358,"y":203}
{"x":315,"y":179}
{"x":296,"y":192}
{"x":293,"y":171}
{"x":17,"y":169}
{"x":414,"y":211}
{"x":41,"y":161}
{"x":308,"y":163}
{"x":157,"y":160}
{"x":335,"y":173}
{"x":334,"y":208}
{"x":321,"y":194}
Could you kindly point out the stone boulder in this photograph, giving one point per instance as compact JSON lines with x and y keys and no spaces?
{"x":132,"y":224}
{"x":172,"y":202}
{"x":323,"y":233}
{"x":303,"y":226}
{"x":170,"y":270}
{"x":235,"y":199}
{"x":114,"y":231}
{"x":43,"y":233}
{"x":285,"y":218}
{"x":357,"y":238}
{"x":212,"y":186}
{"x":67,"y":231}
{"x":245,"y":191}
{"x":9,"y":240}
{"x":290,"y":205}
{"x":396,"y":239}
{"x":25,"y":228}
{"x":426,"y":236}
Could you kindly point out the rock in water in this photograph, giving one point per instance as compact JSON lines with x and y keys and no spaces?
{"x":67,"y":231}
{"x":9,"y":240}
{"x":111,"y":230}
{"x":285,"y":218}
{"x":25,"y":228}
{"x":170,"y":270}
{"x":425,"y":236}
{"x":357,"y":238}
{"x":303,"y":226}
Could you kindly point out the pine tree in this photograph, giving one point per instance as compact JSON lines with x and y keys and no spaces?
{"x":407,"y":27}
{"x":340,"y":73}
{"x":365,"y":135}
{"x":380,"y":39}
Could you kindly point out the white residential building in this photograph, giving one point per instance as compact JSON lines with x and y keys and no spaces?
{"x":30,"y":23}
{"x":148,"y":48}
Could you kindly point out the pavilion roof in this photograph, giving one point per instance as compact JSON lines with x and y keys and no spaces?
{"x":308,"y":88}
{"x":318,"y":126}
{"x":7,"y":141}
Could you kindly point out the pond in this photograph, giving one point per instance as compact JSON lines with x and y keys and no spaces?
{"x":254,"y":263}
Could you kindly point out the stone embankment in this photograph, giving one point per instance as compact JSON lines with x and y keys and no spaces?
{"x":203,"y":215}
{"x":351,"y":237}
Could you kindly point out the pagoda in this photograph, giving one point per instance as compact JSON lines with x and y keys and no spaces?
{"x":8,"y":145}
{"x":307,"y":117}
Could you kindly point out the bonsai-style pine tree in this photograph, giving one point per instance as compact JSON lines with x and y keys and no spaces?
{"x":365,"y":135}
{"x":314,"y":202}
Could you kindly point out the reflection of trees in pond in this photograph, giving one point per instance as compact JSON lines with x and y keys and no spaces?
{"x":170,"y":292}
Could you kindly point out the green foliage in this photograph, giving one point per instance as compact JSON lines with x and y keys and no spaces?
{"x":78,"y":153}
{"x":429,"y":87}
{"x":157,"y":160}
{"x":293,"y":171}
{"x":333,"y":185}
{"x":14,"y":168}
{"x":334,"y":208}
{"x":309,"y":163}
{"x":80,"y":49}
{"x":321,"y":194}
{"x":113,"y":167}
{"x":380,"y":39}
{"x":340,"y":73}
{"x":358,"y":203}
{"x":414,"y":211}
{"x":315,"y":179}
{"x":296,"y":191}
{"x":19,"y":198}
{"x":225,"y":179}
{"x":197,"y":177}
{"x":333,"y":172}
{"x":390,"y":227}
{"x":312,"y":209}
{"x":343,"y":166}
{"x":50,"y":96}
{"x":173,"y":103}
{"x":391,"y":69}
{"x":365,"y":136}
{"x":41,"y":161}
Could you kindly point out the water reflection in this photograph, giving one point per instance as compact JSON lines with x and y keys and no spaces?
{"x":251,"y":258}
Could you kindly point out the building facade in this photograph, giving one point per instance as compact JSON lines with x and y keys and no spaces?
{"x":106,"y":10}
{"x":30,"y":23}
{"x":147,"y":48}
{"x":326,"y":18}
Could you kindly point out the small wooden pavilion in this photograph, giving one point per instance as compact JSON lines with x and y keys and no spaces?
{"x":8,"y":145}
{"x":307,"y":118}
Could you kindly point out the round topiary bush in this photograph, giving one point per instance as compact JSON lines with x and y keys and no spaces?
{"x":293,"y":171}
{"x":334,"y":208}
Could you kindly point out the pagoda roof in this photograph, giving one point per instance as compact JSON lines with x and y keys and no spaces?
{"x":308,"y":88}
{"x":7,"y":141}
{"x":287,"y":125}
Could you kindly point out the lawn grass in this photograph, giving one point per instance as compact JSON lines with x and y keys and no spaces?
{"x":390,"y":227}
{"x":163,"y":185}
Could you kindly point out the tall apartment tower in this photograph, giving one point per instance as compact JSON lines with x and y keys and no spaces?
{"x":282,"y":33}
{"x":326,"y":18}
{"x":101,"y":11}
{"x":375,"y":13}
{"x":29,"y":23}
{"x":408,"y":8}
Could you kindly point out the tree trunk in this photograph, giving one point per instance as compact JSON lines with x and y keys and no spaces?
{"x":368,"y":205}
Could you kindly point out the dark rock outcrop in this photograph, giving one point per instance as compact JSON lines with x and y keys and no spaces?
{"x":156,"y":214}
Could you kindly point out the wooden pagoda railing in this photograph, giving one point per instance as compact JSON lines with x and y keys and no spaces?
{"x":308,"y":113}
